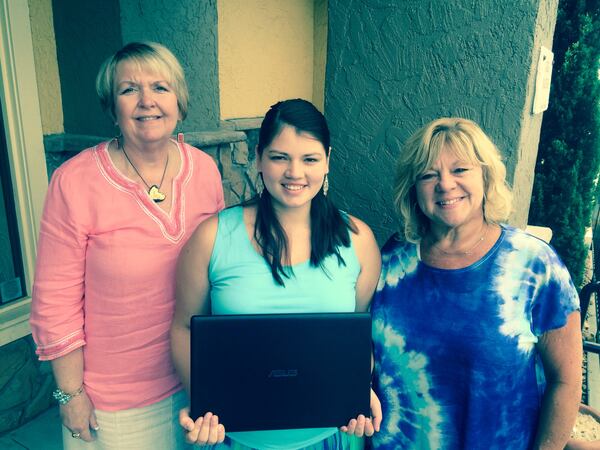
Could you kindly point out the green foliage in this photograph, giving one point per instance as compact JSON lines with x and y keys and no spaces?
{"x":569,"y":152}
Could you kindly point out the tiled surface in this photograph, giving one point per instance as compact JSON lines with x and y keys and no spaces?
{"x":42,"y":433}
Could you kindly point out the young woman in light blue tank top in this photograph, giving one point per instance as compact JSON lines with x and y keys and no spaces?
{"x":294,"y":250}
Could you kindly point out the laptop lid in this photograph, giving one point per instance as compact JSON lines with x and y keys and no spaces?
{"x":281,"y":371}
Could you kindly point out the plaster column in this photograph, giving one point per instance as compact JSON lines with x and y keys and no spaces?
{"x":189,"y":30}
{"x":88,"y":32}
{"x":394,"y":66}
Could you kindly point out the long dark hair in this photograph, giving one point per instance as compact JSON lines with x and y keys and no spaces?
{"x":329,"y":230}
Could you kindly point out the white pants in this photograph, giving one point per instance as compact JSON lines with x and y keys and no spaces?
{"x":154,"y":427}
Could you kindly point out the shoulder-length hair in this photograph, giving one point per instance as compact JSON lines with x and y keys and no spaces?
{"x":469,"y":143}
{"x":147,"y":56}
{"x":329,"y":229}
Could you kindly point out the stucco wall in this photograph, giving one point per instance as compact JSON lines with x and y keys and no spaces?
{"x":393,"y":66}
{"x":88,"y":32}
{"x":531,"y":124}
{"x":265,"y":54}
{"x":46,"y":66}
{"x":189,"y":30}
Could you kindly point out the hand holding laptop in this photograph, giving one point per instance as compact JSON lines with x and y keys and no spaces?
{"x":207,"y":430}
{"x":366,"y":426}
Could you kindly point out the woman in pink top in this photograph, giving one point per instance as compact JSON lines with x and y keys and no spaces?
{"x":115,"y":218}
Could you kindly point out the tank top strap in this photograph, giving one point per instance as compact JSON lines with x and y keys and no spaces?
{"x":231,"y":238}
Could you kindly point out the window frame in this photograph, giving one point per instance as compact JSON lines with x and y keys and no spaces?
{"x":24,"y":141}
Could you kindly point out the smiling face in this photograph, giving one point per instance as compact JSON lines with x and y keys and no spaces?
{"x":145,"y":105}
{"x":293,"y":167}
{"x":450,"y":193}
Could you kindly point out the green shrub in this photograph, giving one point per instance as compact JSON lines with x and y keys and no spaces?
{"x":569,"y":152}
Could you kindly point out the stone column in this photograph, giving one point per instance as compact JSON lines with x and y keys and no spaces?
{"x":394,"y":66}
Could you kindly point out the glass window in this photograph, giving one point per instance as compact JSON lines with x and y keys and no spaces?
{"x":11,"y":266}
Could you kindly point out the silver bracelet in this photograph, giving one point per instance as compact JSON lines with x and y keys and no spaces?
{"x":63,"y":397}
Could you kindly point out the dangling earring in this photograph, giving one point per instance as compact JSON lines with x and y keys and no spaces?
{"x":483,"y":207}
{"x":325,"y":185}
{"x":259,"y":186}
{"x":177,"y":132}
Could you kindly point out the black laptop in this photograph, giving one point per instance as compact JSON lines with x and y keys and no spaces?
{"x":281,"y":371}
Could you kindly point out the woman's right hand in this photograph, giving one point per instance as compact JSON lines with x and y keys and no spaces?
{"x":79,"y":417}
{"x":206,"y":430}
{"x":366,"y":426}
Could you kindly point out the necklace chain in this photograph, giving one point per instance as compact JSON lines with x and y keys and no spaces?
{"x":469,"y":251}
{"x":153,"y":190}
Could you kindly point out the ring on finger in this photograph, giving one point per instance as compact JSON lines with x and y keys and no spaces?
{"x":75,"y":435}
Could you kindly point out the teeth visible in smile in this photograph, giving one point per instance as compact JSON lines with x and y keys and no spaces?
{"x":448,"y":202}
{"x":293,"y":187}
{"x":145,"y":118}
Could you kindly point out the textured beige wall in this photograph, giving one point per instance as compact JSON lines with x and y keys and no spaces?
{"x":320,"y":53}
{"x":265,"y":54}
{"x":46,"y":65}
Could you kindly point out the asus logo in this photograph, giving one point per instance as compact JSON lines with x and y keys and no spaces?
{"x":282,"y":373}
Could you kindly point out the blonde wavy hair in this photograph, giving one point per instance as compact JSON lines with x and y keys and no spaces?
{"x":469,"y":143}
{"x":147,"y":56}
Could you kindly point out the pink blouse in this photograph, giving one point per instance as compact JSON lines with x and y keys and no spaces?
{"x":105,"y":272}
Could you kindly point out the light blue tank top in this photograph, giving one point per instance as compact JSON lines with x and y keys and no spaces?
{"x":241,"y":283}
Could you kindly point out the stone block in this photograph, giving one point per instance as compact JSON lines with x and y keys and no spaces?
{"x":215,"y":137}
{"x":66,"y":142}
{"x":252,"y":173}
{"x":226,"y":125}
{"x":250,"y":190}
{"x":252,"y":140}
{"x":234,"y":174}
{"x":251,"y":123}
{"x":237,"y":186}
{"x":225,"y":162}
{"x":230,"y":198}
{"x":240,"y":153}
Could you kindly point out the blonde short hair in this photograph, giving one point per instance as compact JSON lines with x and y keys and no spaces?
{"x":148,"y":56}
{"x":468,"y":141}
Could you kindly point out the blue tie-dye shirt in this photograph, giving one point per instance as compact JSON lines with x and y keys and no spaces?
{"x":455,"y":359}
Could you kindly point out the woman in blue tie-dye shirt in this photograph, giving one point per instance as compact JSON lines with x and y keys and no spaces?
{"x":475,"y":324}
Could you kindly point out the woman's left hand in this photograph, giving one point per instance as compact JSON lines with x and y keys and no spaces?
{"x":206,"y":430}
{"x":365,"y":426}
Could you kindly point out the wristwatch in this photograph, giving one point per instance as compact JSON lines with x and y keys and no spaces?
{"x":63,"y":397}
